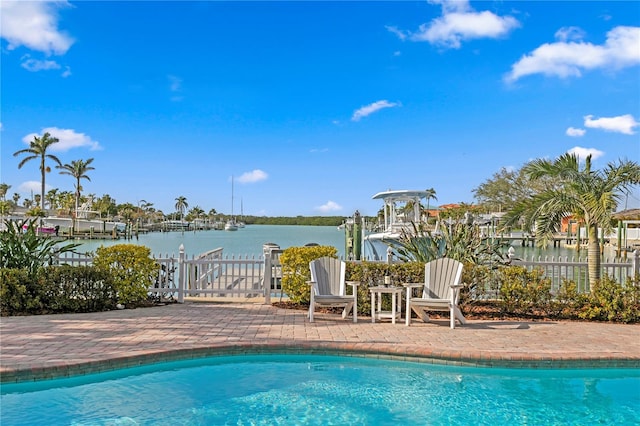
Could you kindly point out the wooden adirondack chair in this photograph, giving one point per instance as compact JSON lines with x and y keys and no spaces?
{"x":441,"y":291}
{"x":328,"y":287}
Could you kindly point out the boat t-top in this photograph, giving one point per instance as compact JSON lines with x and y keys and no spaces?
{"x":402,"y":210}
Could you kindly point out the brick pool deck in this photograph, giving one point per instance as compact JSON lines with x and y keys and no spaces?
{"x":47,"y":346}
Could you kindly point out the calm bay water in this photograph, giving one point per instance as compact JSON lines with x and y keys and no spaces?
{"x":246,"y":241}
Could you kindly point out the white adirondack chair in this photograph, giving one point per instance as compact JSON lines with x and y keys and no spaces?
{"x":441,"y":291}
{"x":328,"y":287}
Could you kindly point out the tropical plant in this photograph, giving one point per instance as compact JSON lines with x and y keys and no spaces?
{"x":459,"y":241}
{"x":181,"y":205}
{"x":78,"y":169}
{"x":431,"y":193}
{"x":38,"y":148}
{"x":22,"y":248}
{"x":52,"y":198}
{"x":587,"y":194}
{"x":4,"y":188}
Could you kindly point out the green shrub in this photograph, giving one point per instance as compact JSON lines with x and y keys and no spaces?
{"x":132,"y":268}
{"x":566,"y":301}
{"x":56,"y":289}
{"x":295,"y":270}
{"x":68,"y":288}
{"x":522,"y":291}
{"x":18,"y":292}
{"x":370,"y":274}
{"x":612,"y":301}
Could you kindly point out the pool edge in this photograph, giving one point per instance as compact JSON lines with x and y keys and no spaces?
{"x":62,"y":369}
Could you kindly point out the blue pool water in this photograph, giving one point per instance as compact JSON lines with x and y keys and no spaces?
{"x":323,"y":390}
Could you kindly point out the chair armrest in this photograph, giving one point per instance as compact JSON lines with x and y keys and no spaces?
{"x":457,"y":286}
{"x":413,"y":285}
{"x":353,"y":283}
{"x":309,"y":282}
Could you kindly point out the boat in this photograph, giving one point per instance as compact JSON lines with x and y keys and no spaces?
{"x":231,"y":224}
{"x":66,"y":224}
{"x":42,"y":230}
{"x":402,"y":213}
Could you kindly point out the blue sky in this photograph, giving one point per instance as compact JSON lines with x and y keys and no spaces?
{"x":313,"y":107}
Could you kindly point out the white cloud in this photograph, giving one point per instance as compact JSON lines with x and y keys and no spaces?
{"x":253,"y":176}
{"x":569,"y":33}
{"x":576,"y":133}
{"x":68,"y":139}
{"x":402,"y":35}
{"x":459,"y":22}
{"x":316,"y":150}
{"x":32,"y":186}
{"x":34,"y":25}
{"x":35,"y":65}
{"x":67,"y":72}
{"x":569,"y":59}
{"x":371,"y":108}
{"x":621,"y":124}
{"x":328,"y":207}
{"x":583,"y":153}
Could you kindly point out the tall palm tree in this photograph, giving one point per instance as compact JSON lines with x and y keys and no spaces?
{"x":38,"y":150}
{"x":181,"y":205}
{"x":78,"y":169}
{"x":582,"y":192}
{"x":431,"y":193}
{"x":4,"y":188}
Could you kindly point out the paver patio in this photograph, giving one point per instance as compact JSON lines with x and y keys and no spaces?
{"x":46,"y":346}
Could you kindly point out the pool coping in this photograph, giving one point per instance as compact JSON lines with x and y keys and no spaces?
{"x":19,"y":375}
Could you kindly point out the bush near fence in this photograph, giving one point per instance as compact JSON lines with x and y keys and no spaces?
{"x":56,"y":289}
{"x":513,"y":292}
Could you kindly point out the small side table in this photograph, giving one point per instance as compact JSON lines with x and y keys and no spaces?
{"x":376,"y":303}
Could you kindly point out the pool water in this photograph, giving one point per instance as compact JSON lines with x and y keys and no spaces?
{"x":325,"y":390}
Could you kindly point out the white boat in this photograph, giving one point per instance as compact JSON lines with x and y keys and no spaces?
{"x":402,"y":212}
{"x":231,"y":224}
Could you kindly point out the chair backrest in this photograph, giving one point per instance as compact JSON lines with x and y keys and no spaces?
{"x":439,"y":276}
{"x":328,"y":273}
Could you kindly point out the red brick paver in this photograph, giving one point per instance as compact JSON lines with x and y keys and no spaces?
{"x":59,"y":345}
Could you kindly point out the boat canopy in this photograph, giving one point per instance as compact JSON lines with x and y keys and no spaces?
{"x":400,"y":195}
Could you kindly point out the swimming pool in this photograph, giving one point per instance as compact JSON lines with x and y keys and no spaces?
{"x":320,"y":390}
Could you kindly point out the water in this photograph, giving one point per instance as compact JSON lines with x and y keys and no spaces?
{"x":320,"y":390}
{"x":246,"y":241}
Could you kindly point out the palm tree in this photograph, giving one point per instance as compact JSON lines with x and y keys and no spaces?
{"x":38,"y":150}
{"x":4,"y":188}
{"x":78,"y":169}
{"x":52,"y":198}
{"x":589,"y":195}
{"x":431,"y":193}
{"x":181,"y":205}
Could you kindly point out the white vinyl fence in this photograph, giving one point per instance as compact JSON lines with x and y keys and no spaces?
{"x":561,"y":268}
{"x":213,"y":275}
